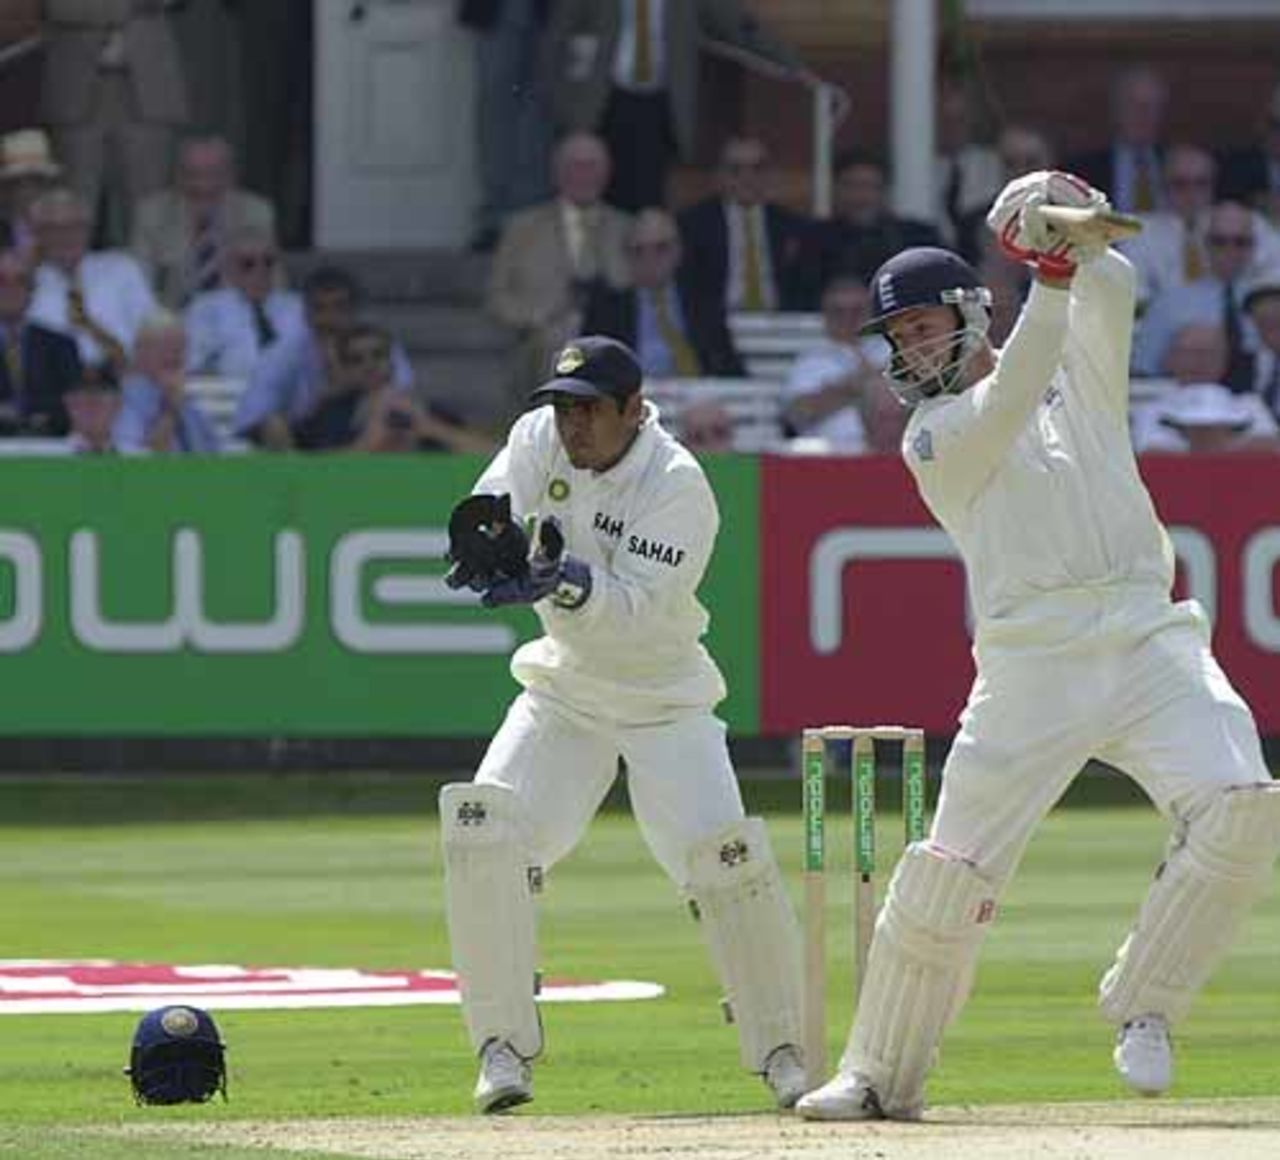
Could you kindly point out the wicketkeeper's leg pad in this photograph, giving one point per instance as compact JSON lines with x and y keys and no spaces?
{"x":489,"y":902}
{"x":921,"y":964}
{"x":752,"y":935}
{"x":1219,"y":865}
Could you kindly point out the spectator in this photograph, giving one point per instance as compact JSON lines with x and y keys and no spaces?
{"x":1216,"y":298}
{"x":513,"y":124}
{"x":27,"y":170}
{"x":884,"y":420}
{"x":829,"y":381}
{"x":1262,"y":304}
{"x":551,"y":255}
{"x":706,"y":426}
{"x":295,"y":374}
{"x":229,"y":328}
{"x":630,"y":70}
{"x":39,"y":365}
{"x":156,"y":413}
{"x":967,"y":174}
{"x":743,"y":249}
{"x":863,"y":232}
{"x":114,"y":95}
{"x":1198,"y":356}
{"x":1022,"y":150}
{"x":99,"y":296}
{"x":1008,"y":282}
{"x":365,"y":411}
{"x":180,"y":234}
{"x":676,"y":330}
{"x":1128,"y":168}
{"x":93,"y":406}
{"x":1252,"y":175}
{"x":1208,"y":418}
{"x":1171,"y":250}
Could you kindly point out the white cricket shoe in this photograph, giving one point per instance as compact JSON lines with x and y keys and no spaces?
{"x":1144,"y":1055}
{"x":506,"y":1080}
{"x":846,"y":1096}
{"x":784,"y":1073}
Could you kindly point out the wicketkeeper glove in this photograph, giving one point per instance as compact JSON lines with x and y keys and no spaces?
{"x":1022,"y":231}
{"x":485,"y":544}
{"x":551,"y":573}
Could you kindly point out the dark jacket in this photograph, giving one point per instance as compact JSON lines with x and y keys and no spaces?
{"x":615,"y":313}
{"x":704,"y":231}
{"x":860,"y":251}
{"x":483,"y":14}
{"x":50,"y":368}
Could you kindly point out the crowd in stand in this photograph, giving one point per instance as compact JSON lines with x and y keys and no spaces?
{"x":122,"y":286}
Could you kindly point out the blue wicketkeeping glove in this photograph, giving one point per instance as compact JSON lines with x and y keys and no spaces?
{"x":565,"y":579}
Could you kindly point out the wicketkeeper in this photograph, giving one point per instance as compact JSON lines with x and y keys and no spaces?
{"x":623,"y":526}
{"x":1023,"y":455}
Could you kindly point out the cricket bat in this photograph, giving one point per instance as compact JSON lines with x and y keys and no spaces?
{"x":1090,"y":225}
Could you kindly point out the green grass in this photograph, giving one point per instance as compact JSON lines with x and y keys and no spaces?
{"x":346,"y":872}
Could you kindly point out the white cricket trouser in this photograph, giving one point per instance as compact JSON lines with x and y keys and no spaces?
{"x":1131,"y":682}
{"x":560,"y":765}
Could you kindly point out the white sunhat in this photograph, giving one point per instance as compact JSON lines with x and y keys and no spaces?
{"x":1206,"y":405}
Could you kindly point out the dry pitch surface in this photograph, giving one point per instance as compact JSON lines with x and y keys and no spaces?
{"x":1220,"y":1129}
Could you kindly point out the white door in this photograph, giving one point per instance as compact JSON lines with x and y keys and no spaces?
{"x":394,"y":141}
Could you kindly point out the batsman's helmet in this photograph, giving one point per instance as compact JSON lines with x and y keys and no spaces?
{"x":928,"y":276}
{"x":177,"y":1057}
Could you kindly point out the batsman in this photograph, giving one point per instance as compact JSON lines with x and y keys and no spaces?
{"x":623,"y":524}
{"x":1023,"y":455}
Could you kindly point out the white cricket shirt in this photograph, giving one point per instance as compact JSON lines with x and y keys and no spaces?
{"x":632,"y":652}
{"x":1031,"y":471}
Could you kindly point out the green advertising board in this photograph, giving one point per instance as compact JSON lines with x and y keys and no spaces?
{"x":288,"y":596}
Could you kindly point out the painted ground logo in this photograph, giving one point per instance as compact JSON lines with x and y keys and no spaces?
{"x":41,"y":986}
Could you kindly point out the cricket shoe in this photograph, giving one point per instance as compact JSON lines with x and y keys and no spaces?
{"x":846,"y":1096}
{"x":506,"y":1080}
{"x":1144,"y":1055}
{"x":784,"y":1073}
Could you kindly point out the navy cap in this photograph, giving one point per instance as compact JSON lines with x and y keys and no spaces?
{"x":922,"y":276}
{"x":593,"y":367}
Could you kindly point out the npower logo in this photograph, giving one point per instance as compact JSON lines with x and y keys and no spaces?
{"x":839,"y":549}
{"x":354,"y":598}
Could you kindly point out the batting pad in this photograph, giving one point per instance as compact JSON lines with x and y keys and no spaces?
{"x":489,"y":903}
{"x":1219,"y":866}
{"x":918,"y":973}
{"x":752,"y":935}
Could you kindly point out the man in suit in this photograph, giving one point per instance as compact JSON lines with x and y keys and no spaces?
{"x":1262,"y":304}
{"x":1232,"y":240}
{"x":1171,"y":250}
{"x":180,"y":234}
{"x":863,"y":232}
{"x":113,"y":94}
{"x":513,"y":128}
{"x":676,"y":330}
{"x":1252,"y":175}
{"x":38,"y":366}
{"x":630,"y":69}
{"x":1128,"y":168}
{"x":742,"y":249}
{"x":549,"y":257}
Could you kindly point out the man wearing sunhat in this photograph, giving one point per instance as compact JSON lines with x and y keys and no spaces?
{"x":623,"y":524}
{"x":27,"y":169}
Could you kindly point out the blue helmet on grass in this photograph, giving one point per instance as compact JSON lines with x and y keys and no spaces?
{"x":177,"y":1057}
{"x":928,"y":276}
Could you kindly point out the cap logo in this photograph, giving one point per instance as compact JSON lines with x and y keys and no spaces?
{"x":571,"y":358}
{"x":888,"y":294}
{"x":558,"y":490}
{"x":180,"y":1021}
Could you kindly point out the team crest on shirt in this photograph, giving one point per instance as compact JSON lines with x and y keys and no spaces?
{"x":571,"y":358}
{"x":922,"y":444}
{"x":558,"y":489}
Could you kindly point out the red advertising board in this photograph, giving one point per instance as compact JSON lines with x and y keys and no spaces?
{"x":862,"y":596}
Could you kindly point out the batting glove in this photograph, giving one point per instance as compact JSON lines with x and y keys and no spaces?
{"x":1021,"y":229}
